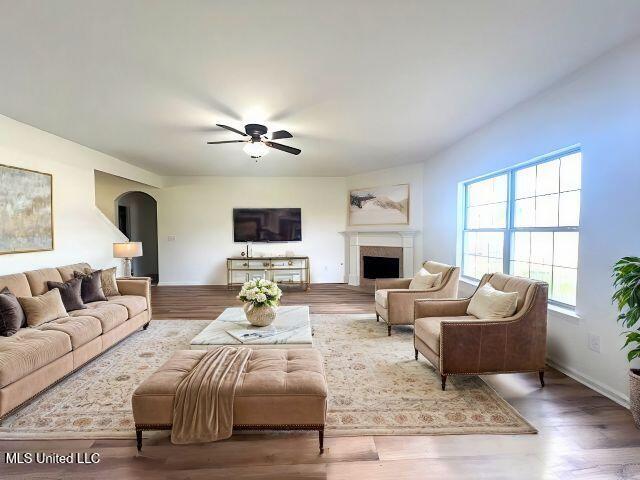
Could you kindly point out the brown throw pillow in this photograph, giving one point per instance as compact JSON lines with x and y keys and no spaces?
{"x":11,"y":314}
{"x":109,"y":284}
{"x":91,"y":290}
{"x":43,"y":308}
{"x":70,"y":293}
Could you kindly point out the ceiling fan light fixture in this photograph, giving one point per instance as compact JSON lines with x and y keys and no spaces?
{"x":256,"y":149}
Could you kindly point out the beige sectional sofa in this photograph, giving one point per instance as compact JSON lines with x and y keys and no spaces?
{"x":35,"y":358}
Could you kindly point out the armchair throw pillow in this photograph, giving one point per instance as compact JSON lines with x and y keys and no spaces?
{"x":488,"y":302}
{"x":425,"y":280}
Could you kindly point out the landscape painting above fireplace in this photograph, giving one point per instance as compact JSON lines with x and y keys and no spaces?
{"x":384,"y":205}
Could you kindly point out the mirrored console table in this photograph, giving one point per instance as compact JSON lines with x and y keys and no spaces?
{"x":284,"y":271}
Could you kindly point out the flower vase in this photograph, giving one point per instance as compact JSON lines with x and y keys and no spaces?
{"x":259,"y":316}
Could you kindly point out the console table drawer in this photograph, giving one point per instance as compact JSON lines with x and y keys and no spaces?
{"x":250,"y":264}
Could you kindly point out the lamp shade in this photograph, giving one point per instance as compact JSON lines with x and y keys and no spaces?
{"x":127,"y":249}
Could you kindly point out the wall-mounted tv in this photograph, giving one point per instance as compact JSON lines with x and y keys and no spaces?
{"x":267,"y":225}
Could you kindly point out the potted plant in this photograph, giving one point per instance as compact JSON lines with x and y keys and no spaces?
{"x":261,"y":299}
{"x":626,"y":274}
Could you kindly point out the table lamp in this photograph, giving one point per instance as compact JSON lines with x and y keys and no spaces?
{"x":127,"y":250}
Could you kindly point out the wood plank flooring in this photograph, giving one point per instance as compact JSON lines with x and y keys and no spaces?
{"x":581,"y":433}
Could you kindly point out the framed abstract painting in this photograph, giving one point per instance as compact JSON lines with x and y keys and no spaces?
{"x":384,"y":205}
{"x":26,"y":210}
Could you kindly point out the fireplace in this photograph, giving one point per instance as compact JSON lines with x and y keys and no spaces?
{"x":379,"y":262}
{"x":380,"y":267}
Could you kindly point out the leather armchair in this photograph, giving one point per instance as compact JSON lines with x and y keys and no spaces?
{"x":394,"y":300}
{"x":460,"y":344}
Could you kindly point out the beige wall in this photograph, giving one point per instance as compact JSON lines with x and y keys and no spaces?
{"x":110,"y":187}
{"x":81,"y":231}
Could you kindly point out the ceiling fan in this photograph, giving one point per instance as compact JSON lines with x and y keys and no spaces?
{"x":257,"y":143}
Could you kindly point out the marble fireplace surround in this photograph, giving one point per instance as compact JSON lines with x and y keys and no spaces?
{"x":356,"y":239}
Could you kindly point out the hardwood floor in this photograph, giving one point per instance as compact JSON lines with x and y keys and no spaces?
{"x":581,"y":433}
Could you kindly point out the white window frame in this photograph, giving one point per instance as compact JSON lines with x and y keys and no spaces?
{"x":511,"y":200}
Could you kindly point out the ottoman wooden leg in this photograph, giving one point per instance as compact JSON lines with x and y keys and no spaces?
{"x":321,"y":439}
{"x":139,"y":440}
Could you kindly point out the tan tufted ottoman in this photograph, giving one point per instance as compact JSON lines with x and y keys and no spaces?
{"x":279,"y":390}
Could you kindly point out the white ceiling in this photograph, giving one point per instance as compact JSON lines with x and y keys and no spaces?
{"x":362,"y":85}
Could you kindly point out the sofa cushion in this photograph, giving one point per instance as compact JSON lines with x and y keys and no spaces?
{"x":17,"y":284}
{"x":91,"y":286}
{"x":43,"y":308}
{"x":70,"y":293}
{"x":428,"y":329}
{"x":28,"y":350}
{"x":109,"y":315}
{"x":67,"y":271}
{"x":109,"y":283}
{"x":12,"y":316}
{"x":81,"y":330}
{"x":133,"y":303}
{"x":382,"y":295}
{"x":38,"y":280}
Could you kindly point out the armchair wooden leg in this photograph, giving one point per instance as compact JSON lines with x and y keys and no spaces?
{"x":415,"y":353}
{"x":541,"y":375}
{"x":321,"y":439}
{"x":146,"y":325}
{"x":139,"y":440}
{"x":388,"y":330}
{"x":377,"y":317}
{"x":443,"y":378}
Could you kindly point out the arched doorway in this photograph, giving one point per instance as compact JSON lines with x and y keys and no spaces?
{"x":137,"y":219}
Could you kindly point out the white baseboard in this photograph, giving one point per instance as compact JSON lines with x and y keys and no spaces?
{"x":618,"y":397}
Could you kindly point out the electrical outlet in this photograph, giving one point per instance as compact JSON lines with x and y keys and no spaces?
{"x":594,"y":342}
{"x":171,"y":238}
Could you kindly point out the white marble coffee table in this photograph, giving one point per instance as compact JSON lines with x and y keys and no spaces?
{"x":291,"y":329}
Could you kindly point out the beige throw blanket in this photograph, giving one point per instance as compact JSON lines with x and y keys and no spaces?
{"x":203,"y":407}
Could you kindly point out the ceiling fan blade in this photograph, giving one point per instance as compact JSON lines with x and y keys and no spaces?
{"x":226,"y":141}
{"x":232,"y":129}
{"x":280,"y":134}
{"x":284,"y":148}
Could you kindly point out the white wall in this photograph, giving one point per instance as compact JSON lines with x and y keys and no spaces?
{"x":198,"y":212}
{"x":411,"y":174}
{"x":81,"y":231}
{"x":599,"y":108}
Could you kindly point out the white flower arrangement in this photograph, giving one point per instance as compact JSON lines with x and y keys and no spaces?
{"x":260,"y":293}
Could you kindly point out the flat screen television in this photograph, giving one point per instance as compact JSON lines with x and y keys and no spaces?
{"x":267,"y":225}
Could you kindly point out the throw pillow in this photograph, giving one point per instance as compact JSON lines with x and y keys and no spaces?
{"x":109,"y":284}
{"x":70,"y":293}
{"x":43,"y":308}
{"x":425,"y":280}
{"x":91,"y":290}
{"x":488,"y":302}
{"x":11,"y":314}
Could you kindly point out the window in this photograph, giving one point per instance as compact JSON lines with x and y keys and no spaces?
{"x":525,"y":221}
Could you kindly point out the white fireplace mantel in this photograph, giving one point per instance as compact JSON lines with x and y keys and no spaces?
{"x":379,"y":238}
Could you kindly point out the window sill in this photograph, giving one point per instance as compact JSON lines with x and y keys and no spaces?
{"x":557,"y":311}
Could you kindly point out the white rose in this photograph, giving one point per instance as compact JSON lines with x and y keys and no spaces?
{"x":261,"y":297}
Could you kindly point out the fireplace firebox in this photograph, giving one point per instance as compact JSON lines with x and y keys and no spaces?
{"x":380,"y":267}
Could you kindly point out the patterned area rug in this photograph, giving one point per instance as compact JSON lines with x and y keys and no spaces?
{"x":375,"y":385}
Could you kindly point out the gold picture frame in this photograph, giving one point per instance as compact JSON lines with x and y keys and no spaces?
{"x":381,"y":205}
{"x":28,"y":193}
